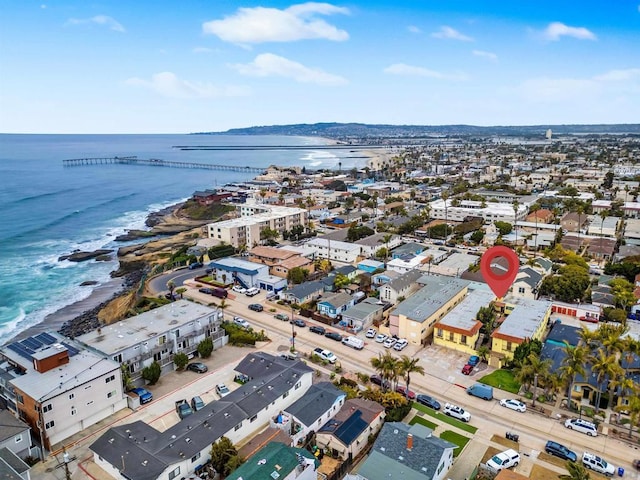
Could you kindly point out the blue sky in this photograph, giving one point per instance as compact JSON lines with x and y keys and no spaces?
{"x":186,"y":66}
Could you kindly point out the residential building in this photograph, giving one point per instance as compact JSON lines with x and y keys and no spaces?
{"x":207,"y":197}
{"x":270,"y":255}
{"x":232,"y":270}
{"x":371,"y":244}
{"x":333,"y":305}
{"x":572,"y":222}
{"x":347,"y":433}
{"x":60,"y":388}
{"x":540,"y":216}
{"x":490,"y":212}
{"x":411,"y":248}
{"x":334,"y":250}
{"x":348,"y":271}
{"x":363,"y":314}
{"x":15,"y":435}
{"x":402,"y":286}
{"x":283,"y":268}
{"x":459,"y":329}
{"x":12,"y":467}
{"x":413,"y":450}
{"x":370,"y":266}
{"x":157,"y":335}
{"x":576,"y":310}
{"x":276,"y":460}
{"x":303,"y":293}
{"x":415,"y":317}
{"x":607,"y":227}
{"x":527,"y":283}
{"x":320,"y":404}
{"x":254,"y":218}
{"x":526,"y":320}
{"x":148,"y":454}
{"x":407,"y":262}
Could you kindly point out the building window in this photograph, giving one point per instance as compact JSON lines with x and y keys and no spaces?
{"x":73,"y":410}
{"x":237,"y":427}
{"x":440,"y":333}
{"x":19,"y":398}
{"x":253,"y":419}
{"x":463,"y":339}
{"x":110,"y":379}
{"x":520,"y":289}
{"x":18,"y":438}
{"x":47,"y":408}
{"x":195,"y":457}
{"x":111,"y":394}
{"x":72,"y":396}
{"x":509,"y":346}
{"x":285,"y":395}
{"x":174,"y":473}
{"x":451,"y":336}
{"x":50,"y":424}
{"x":118,"y":358}
{"x":298,"y":385}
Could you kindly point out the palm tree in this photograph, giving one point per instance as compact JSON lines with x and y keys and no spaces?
{"x":572,"y":365}
{"x":171,"y":285}
{"x":632,"y":408}
{"x":386,"y":365}
{"x":221,"y":306}
{"x":589,"y":338}
{"x":386,"y":239}
{"x":407,"y":366}
{"x":606,"y":367}
{"x":577,"y":471}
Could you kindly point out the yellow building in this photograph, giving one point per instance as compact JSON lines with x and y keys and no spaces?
{"x":415,"y":317}
{"x":459,"y":329}
{"x":526,"y":319}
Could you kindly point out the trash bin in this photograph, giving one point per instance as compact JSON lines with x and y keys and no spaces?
{"x":620,"y":471}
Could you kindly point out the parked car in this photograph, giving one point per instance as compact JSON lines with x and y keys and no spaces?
{"x":219,"y":292}
{"x":456,"y":412}
{"x":145,"y":395}
{"x":401,"y":344}
{"x":598,"y":464}
{"x":195,"y":265}
{"x":256,"y":307}
{"x":516,"y":405}
{"x":582,"y":426}
{"x":241,"y":322}
{"x":183,"y":409}
{"x":377,"y":380}
{"x":381,"y":337}
{"x":428,"y":401}
{"x":353,"y":342}
{"x":467,"y":369}
{"x":289,"y":356}
{"x":507,"y":459}
{"x":473,"y":360}
{"x":298,"y":322}
{"x":197,"y":403}
{"x":205,"y":290}
{"x":197,"y":367}
{"x":389,"y":342}
{"x":317,"y":329}
{"x":481,"y":390}
{"x":325,"y":355}
{"x":222,"y":390}
{"x":334,"y":336}
{"x":282,"y":316}
{"x":371,"y":333}
{"x":560,"y":451}
{"x":252,"y":292}
{"x":239,"y":289}
{"x":403,"y":390}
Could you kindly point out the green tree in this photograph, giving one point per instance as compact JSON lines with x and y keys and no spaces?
{"x":180,"y":291}
{"x":504,"y":228}
{"x":605,"y":366}
{"x":180,"y":360}
{"x":477,"y":236}
{"x":152,"y":373}
{"x":632,"y":407}
{"x":622,"y":290}
{"x":269,"y":234}
{"x":221,"y":454}
{"x":576,"y":471}
{"x":341,"y":280}
{"x":127,"y":383}
{"x":297,"y":275}
{"x":386,"y":239}
{"x":387,"y":366}
{"x":205,"y":348}
{"x":522,"y":353}
{"x":407,"y":366}
{"x":572,"y":365}
{"x":171,"y":285}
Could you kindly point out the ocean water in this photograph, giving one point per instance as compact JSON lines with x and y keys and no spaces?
{"x":47,"y":210}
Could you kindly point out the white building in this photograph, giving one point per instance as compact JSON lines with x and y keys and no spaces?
{"x":371,"y":244}
{"x":334,"y":250}
{"x":491,"y":212}
{"x":406,"y":263}
{"x":157,"y":335}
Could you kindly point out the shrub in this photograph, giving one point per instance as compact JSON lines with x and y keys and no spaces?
{"x":152,"y":373}
{"x":348,"y":382}
{"x":363,"y":377}
{"x":398,"y":413}
{"x":180,"y":360}
{"x":205,"y":348}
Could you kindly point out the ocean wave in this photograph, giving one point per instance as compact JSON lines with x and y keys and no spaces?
{"x":41,"y":196}
{"x":9,"y":328}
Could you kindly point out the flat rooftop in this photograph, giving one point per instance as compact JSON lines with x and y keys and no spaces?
{"x":436,"y":292}
{"x":463,"y":315}
{"x":525,"y":318}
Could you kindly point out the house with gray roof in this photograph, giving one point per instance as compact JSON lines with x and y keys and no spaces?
{"x":371,"y":244}
{"x":335,"y":304}
{"x":321,"y":402}
{"x":15,"y":435}
{"x":402,"y":286}
{"x":412,"y":450}
{"x":277,"y":461}
{"x":148,"y":454}
{"x":305,"y":292}
{"x":12,"y":467}
{"x":348,"y":431}
{"x":363,"y":314}
{"x":527,"y":283}
{"x":411,"y":248}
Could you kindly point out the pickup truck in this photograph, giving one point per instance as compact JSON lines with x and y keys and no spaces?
{"x":325,"y":355}
{"x":456,"y":412}
{"x":183,"y":408}
{"x":145,"y":395}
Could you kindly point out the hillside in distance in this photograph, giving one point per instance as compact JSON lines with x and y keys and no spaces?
{"x":363,"y":130}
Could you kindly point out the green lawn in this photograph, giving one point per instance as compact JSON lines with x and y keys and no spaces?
{"x":424,"y":422}
{"x":444,"y":418}
{"x":456,"y":439}
{"x":502,"y":379}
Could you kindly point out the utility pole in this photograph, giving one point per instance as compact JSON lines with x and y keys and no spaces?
{"x":66,"y":459}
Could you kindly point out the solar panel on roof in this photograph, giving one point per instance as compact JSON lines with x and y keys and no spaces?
{"x":31,"y":343}
{"x":20,"y":350}
{"x":72,"y":350}
{"x":45,"y":338}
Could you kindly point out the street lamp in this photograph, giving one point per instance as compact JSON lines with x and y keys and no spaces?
{"x":535,"y":389}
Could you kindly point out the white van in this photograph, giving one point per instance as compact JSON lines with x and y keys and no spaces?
{"x":582,"y":426}
{"x":252,"y":292}
{"x":598,"y":464}
{"x":353,"y":342}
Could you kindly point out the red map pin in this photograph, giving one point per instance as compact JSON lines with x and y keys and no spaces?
{"x":499,"y":282}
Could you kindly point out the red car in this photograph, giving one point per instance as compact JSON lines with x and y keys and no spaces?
{"x":403,"y":390}
{"x":467,"y":369}
{"x":589,"y":319}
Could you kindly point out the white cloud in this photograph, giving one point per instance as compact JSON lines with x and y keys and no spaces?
{"x":99,"y":20}
{"x":556,"y":30}
{"x":411,"y":70}
{"x":619,"y":75}
{"x":451,"y":34}
{"x":481,"y":53}
{"x":169,"y":85}
{"x":270,"y":65}
{"x":263,"y":24}
{"x":414,"y":29}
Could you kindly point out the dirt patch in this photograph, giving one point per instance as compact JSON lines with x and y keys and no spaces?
{"x":491,"y":451}
{"x":541,"y":473}
{"x":544,"y":456}
{"x":503,"y":441}
{"x":328,"y":465}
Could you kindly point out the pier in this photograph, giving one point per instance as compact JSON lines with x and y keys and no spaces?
{"x":155,"y":162}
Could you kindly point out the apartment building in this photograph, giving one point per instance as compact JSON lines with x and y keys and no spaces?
{"x":334,"y":250}
{"x":489,"y":211}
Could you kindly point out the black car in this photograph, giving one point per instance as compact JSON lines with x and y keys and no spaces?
{"x":298,"y":322}
{"x":198,"y":367}
{"x":317,"y":329}
{"x":195,"y":265}
{"x":554,"y":448}
{"x":256,"y":307}
{"x":334,"y":336}
{"x":205,"y":290}
{"x":428,"y":401}
{"x":377,"y":380}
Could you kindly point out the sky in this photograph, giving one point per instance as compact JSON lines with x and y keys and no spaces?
{"x":122,"y":66}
